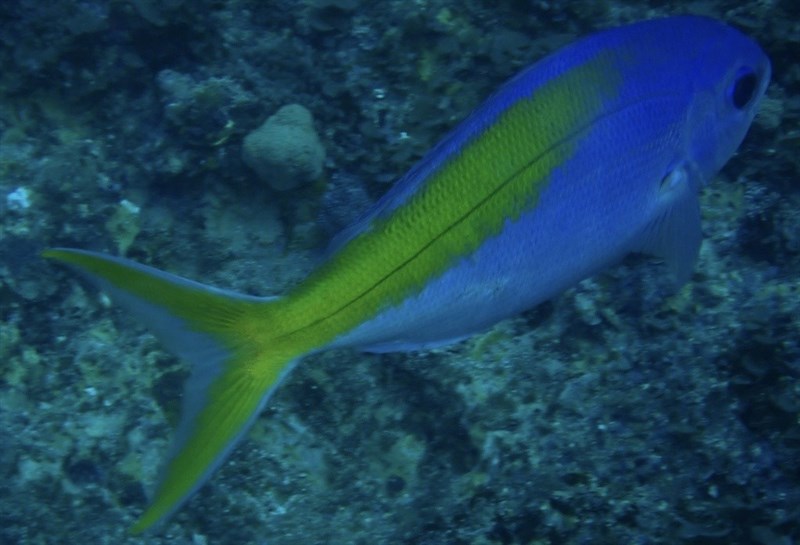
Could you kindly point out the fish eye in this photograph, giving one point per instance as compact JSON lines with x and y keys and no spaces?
{"x":744,"y":88}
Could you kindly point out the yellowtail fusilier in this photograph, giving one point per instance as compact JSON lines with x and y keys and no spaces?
{"x":594,"y":152}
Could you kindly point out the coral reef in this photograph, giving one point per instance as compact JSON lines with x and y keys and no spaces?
{"x":622,"y":412}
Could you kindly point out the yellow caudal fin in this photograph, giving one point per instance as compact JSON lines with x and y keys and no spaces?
{"x":225,"y":337}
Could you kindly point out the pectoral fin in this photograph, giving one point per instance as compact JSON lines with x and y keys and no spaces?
{"x":675,"y":233}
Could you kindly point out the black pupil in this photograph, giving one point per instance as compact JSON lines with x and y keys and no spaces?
{"x":743,"y":90}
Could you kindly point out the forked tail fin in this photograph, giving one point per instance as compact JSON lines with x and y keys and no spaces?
{"x":226,"y":338}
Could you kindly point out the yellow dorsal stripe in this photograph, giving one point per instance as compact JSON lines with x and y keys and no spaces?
{"x":495,"y":178}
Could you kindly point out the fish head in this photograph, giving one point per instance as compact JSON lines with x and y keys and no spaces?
{"x":729,"y":75}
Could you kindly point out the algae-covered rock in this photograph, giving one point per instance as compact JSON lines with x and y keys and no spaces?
{"x":285,"y":151}
{"x":123,"y":225}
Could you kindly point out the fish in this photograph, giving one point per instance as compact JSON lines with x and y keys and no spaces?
{"x":594,"y":152}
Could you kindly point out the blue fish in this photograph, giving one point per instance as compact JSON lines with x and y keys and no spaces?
{"x":594,"y":152}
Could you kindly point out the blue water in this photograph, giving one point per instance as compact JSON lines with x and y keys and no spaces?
{"x":621,"y":412}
